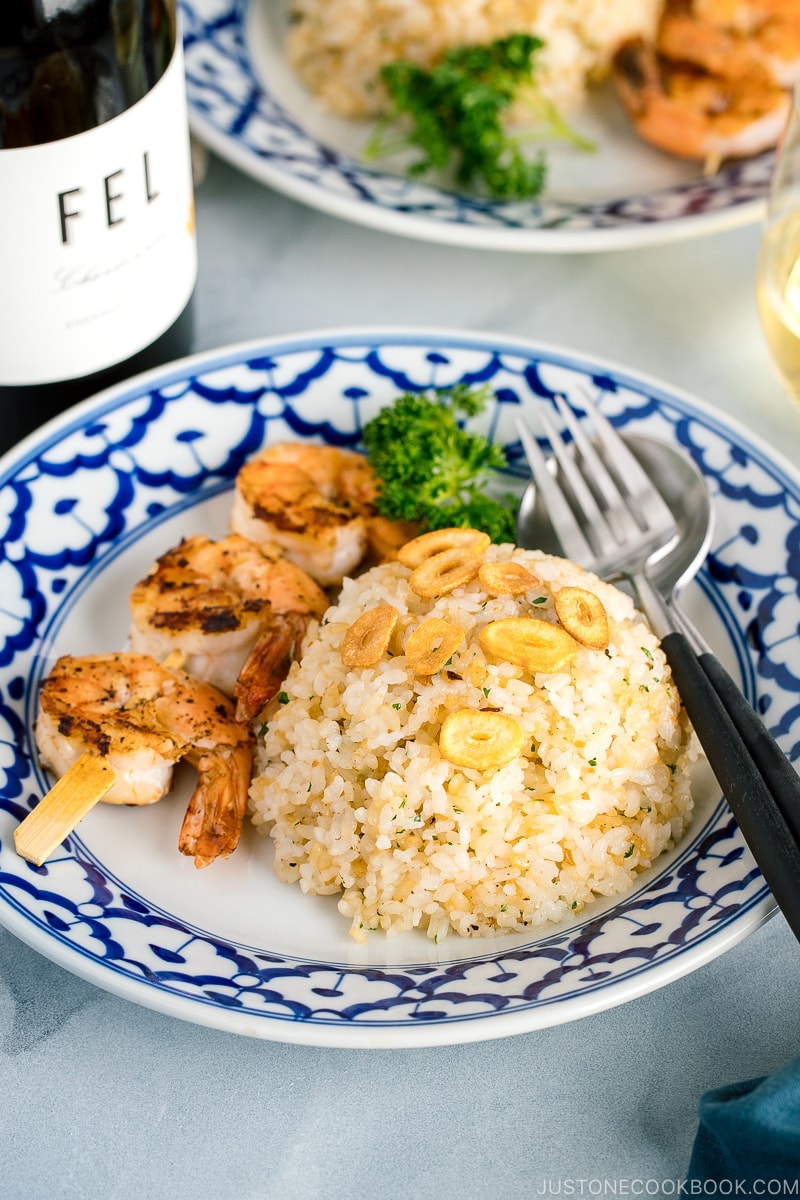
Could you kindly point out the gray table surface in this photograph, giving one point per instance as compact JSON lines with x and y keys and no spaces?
{"x":101,"y":1098}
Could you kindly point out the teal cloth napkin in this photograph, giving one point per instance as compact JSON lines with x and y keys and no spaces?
{"x":750,"y":1132}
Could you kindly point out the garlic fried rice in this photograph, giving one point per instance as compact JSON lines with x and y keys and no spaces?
{"x":359,"y":799}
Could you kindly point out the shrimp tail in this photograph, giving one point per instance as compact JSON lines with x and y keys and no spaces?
{"x":215,"y":814}
{"x":268,"y":665}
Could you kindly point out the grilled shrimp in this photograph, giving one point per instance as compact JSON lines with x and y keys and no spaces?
{"x":318,"y":504}
{"x":713,"y":83}
{"x":698,"y":114}
{"x":235,"y":612}
{"x":734,"y":37}
{"x":143,"y":719}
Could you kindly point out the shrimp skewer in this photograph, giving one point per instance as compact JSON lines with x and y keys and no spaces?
{"x":698,"y":115}
{"x":318,"y":503}
{"x":235,"y":612}
{"x":713,"y":83}
{"x":142,"y":719}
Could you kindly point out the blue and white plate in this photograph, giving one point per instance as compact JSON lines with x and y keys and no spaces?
{"x":91,"y":500}
{"x":246,"y":104}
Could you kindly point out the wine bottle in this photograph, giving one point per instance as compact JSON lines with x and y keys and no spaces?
{"x":98,"y":258}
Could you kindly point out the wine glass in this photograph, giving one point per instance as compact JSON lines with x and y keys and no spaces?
{"x":778,"y":278}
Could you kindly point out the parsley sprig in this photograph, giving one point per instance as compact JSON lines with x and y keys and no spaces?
{"x":432,"y":470}
{"x":455,"y":114}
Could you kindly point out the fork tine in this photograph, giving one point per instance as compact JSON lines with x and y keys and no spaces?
{"x":633,"y":477}
{"x":617,"y":514}
{"x":573,"y":543}
{"x":603,"y":522}
{"x":589,"y":507}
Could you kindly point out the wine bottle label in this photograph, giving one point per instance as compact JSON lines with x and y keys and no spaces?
{"x":97,"y":241}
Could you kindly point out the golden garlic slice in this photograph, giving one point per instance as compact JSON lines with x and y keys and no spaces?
{"x":483,"y":740}
{"x":529,"y":642}
{"x":431,"y":644}
{"x":444,"y":572}
{"x":367,"y":639}
{"x":507,"y":578}
{"x":583,"y":616}
{"x":414,"y":553}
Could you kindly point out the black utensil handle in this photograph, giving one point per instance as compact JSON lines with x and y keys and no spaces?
{"x":781,"y":777}
{"x":761,"y":821}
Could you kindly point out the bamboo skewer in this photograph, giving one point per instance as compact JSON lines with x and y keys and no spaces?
{"x":60,"y":810}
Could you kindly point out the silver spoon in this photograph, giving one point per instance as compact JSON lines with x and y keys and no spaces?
{"x":685,"y":490}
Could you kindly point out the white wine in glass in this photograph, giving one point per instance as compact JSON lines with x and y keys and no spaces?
{"x":779,"y":259}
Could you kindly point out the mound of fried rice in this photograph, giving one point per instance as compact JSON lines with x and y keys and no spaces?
{"x":338,"y":46}
{"x":359,"y":801}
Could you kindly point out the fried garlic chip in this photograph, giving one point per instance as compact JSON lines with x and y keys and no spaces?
{"x":507,"y":578}
{"x":444,"y":572}
{"x":529,"y":642}
{"x":583,"y":616}
{"x":431,"y":645}
{"x":414,"y":553}
{"x":367,"y":640}
{"x":483,"y":740}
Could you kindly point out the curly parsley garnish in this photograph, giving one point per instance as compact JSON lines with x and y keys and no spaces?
{"x":456,"y":112}
{"x":431,"y":470}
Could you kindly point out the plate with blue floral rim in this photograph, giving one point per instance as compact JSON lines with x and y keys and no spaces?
{"x":246,"y":104}
{"x":92,"y":499}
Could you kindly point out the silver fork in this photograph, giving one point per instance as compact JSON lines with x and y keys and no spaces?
{"x":619,"y":528}
{"x":614,"y":536}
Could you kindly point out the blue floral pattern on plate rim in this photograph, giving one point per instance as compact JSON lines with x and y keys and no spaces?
{"x":239,"y":116}
{"x":81,"y":494}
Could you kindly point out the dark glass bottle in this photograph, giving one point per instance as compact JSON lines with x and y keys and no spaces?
{"x":97,"y":249}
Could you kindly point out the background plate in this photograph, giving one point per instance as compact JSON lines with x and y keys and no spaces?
{"x":248,"y":106}
{"x":89,"y":502}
